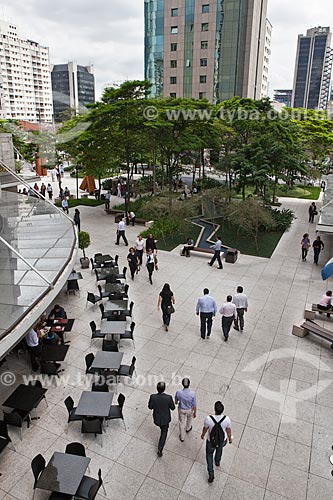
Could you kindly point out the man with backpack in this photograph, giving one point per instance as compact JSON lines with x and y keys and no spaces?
{"x":219,"y":430}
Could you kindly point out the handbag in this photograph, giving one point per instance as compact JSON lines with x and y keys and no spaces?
{"x":170,"y":309}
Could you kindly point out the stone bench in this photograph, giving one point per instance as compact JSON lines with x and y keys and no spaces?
{"x":310,"y":326}
{"x":314,"y":309}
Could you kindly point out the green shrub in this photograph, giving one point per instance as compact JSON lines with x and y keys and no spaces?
{"x":282,"y":218}
{"x":84,"y":241}
{"x":164,"y":227}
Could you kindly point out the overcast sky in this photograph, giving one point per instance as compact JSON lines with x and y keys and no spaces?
{"x":109,"y":33}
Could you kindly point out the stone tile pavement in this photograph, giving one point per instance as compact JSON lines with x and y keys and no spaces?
{"x":276,"y":388}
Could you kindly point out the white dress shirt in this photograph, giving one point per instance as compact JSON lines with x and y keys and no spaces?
{"x":228,"y":309}
{"x":121,"y":226}
{"x":32,"y":338}
{"x":240,"y":301}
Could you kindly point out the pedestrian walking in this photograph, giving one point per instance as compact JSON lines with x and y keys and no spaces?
{"x":64,"y":205}
{"x":323,"y":185}
{"x":241,"y":303}
{"x":312,"y":212}
{"x":139,"y":246}
{"x":187,"y":408}
{"x":119,"y":190}
{"x":317,"y":245}
{"x":43,"y":189}
{"x":305,"y":245}
{"x":49,"y":191}
{"x":107,"y":200}
{"x":77,"y":219}
{"x":219,"y":431}
{"x":121,"y":232}
{"x":161,"y":404}
{"x":133,"y":261}
{"x":151,"y":244}
{"x":217,"y":253}
{"x":207,"y":308}
{"x":150,"y":265}
{"x":166,"y":301}
{"x":229,"y":314}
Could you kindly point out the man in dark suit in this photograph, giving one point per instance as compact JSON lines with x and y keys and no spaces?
{"x":161,"y":404}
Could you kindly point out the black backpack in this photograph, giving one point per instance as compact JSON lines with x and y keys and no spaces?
{"x":217,"y":436}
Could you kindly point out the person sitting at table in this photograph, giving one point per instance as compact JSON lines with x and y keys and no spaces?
{"x":189,"y":245}
{"x":32,"y":339}
{"x":58,"y":312}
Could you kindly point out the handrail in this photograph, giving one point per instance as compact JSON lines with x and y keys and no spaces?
{"x":26,"y":184}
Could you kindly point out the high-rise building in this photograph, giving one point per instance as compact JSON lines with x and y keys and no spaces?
{"x":25,"y":79}
{"x":313,"y":69}
{"x":73,"y":87}
{"x":283,"y":96}
{"x":266,"y":57}
{"x":206,"y":48}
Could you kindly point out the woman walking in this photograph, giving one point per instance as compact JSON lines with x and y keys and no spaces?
{"x":166,"y":299}
{"x":150,"y":263}
{"x":133,"y":261}
{"x":305,"y":245}
{"x":77,"y":219}
{"x":317,"y":246}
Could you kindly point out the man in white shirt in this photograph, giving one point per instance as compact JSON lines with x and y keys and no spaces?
{"x":229,"y":312}
{"x":217,"y":253}
{"x":32,"y":340}
{"x":107,"y":200}
{"x":209,"y":424}
{"x":131,"y":218}
{"x":241,"y":303}
{"x":139,"y":246}
{"x":64,"y":205}
{"x":121,"y":232}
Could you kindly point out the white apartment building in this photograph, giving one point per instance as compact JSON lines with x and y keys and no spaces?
{"x":266,"y":58}
{"x":25,"y":78}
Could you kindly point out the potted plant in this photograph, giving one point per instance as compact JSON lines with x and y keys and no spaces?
{"x":84,"y":242}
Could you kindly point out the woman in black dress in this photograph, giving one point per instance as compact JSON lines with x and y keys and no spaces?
{"x":166,"y":299}
{"x":133,"y":261}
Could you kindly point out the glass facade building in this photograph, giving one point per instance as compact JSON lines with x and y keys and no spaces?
{"x":205,"y":48}
{"x":313,"y":69}
{"x":73,"y":87}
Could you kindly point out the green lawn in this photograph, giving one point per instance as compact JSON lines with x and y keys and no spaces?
{"x":305,"y":192}
{"x":179,"y":238}
{"x":266,"y":242}
{"x":73,"y":202}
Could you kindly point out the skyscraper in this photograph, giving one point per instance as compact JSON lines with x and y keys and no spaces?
{"x":73,"y":87}
{"x":283,"y":96}
{"x":25,"y":79}
{"x":206,"y":48}
{"x":313,"y":69}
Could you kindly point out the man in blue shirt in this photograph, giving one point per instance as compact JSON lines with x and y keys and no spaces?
{"x":187,"y":408}
{"x":217,"y":253}
{"x":207,"y":308}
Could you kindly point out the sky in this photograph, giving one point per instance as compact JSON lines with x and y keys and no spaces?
{"x":109,"y":33}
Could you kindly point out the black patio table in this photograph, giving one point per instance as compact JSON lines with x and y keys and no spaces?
{"x":113,"y":327}
{"x":63,"y":473}
{"x":115,"y":287}
{"x":25,"y":398}
{"x":54,"y":352}
{"x":116,"y":305}
{"x":74,"y":276}
{"x":106,"y":271}
{"x":101,"y":259}
{"x":105,"y":360}
{"x":94,"y":404}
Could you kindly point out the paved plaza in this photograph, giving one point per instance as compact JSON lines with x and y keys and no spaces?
{"x":276,"y":388}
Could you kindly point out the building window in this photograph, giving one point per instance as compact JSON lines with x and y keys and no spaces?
{"x":203,"y":78}
{"x":174,"y":30}
{"x":204,"y":26}
{"x":203,"y":61}
{"x":205,"y":8}
{"x":173,"y":47}
{"x":173,"y":63}
{"x":173,"y":80}
{"x":174,"y":12}
{"x":202,"y":95}
{"x":173,"y":94}
{"x":204,"y":44}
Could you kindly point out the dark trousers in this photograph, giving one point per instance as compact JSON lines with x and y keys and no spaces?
{"x":216,"y":256}
{"x":304,"y":253}
{"x":206,"y":319}
{"x":139,"y":253}
{"x":239,"y":320}
{"x":150,"y":268}
{"x":210,"y":450}
{"x":163,"y":436}
{"x":34,"y":354}
{"x":316,"y":252}
{"x":166,"y":315}
{"x":226,"y":325}
{"x":132,"y":269}
{"x":311,"y":217}
{"x":107,"y":204}
{"x":121,"y":234}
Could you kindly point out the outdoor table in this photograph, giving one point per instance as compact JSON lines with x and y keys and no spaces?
{"x":74,"y":276}
{"x":105,"y":360}
{"x":116,"y":305}
{"x":63,"y":473}
{"x":101,"y":259}
{"x":113,"y":327}
{"x":114,"y":287}
{"x":54,"y":352}
{"x":25,"y":398}
{"x":94,"y":404}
